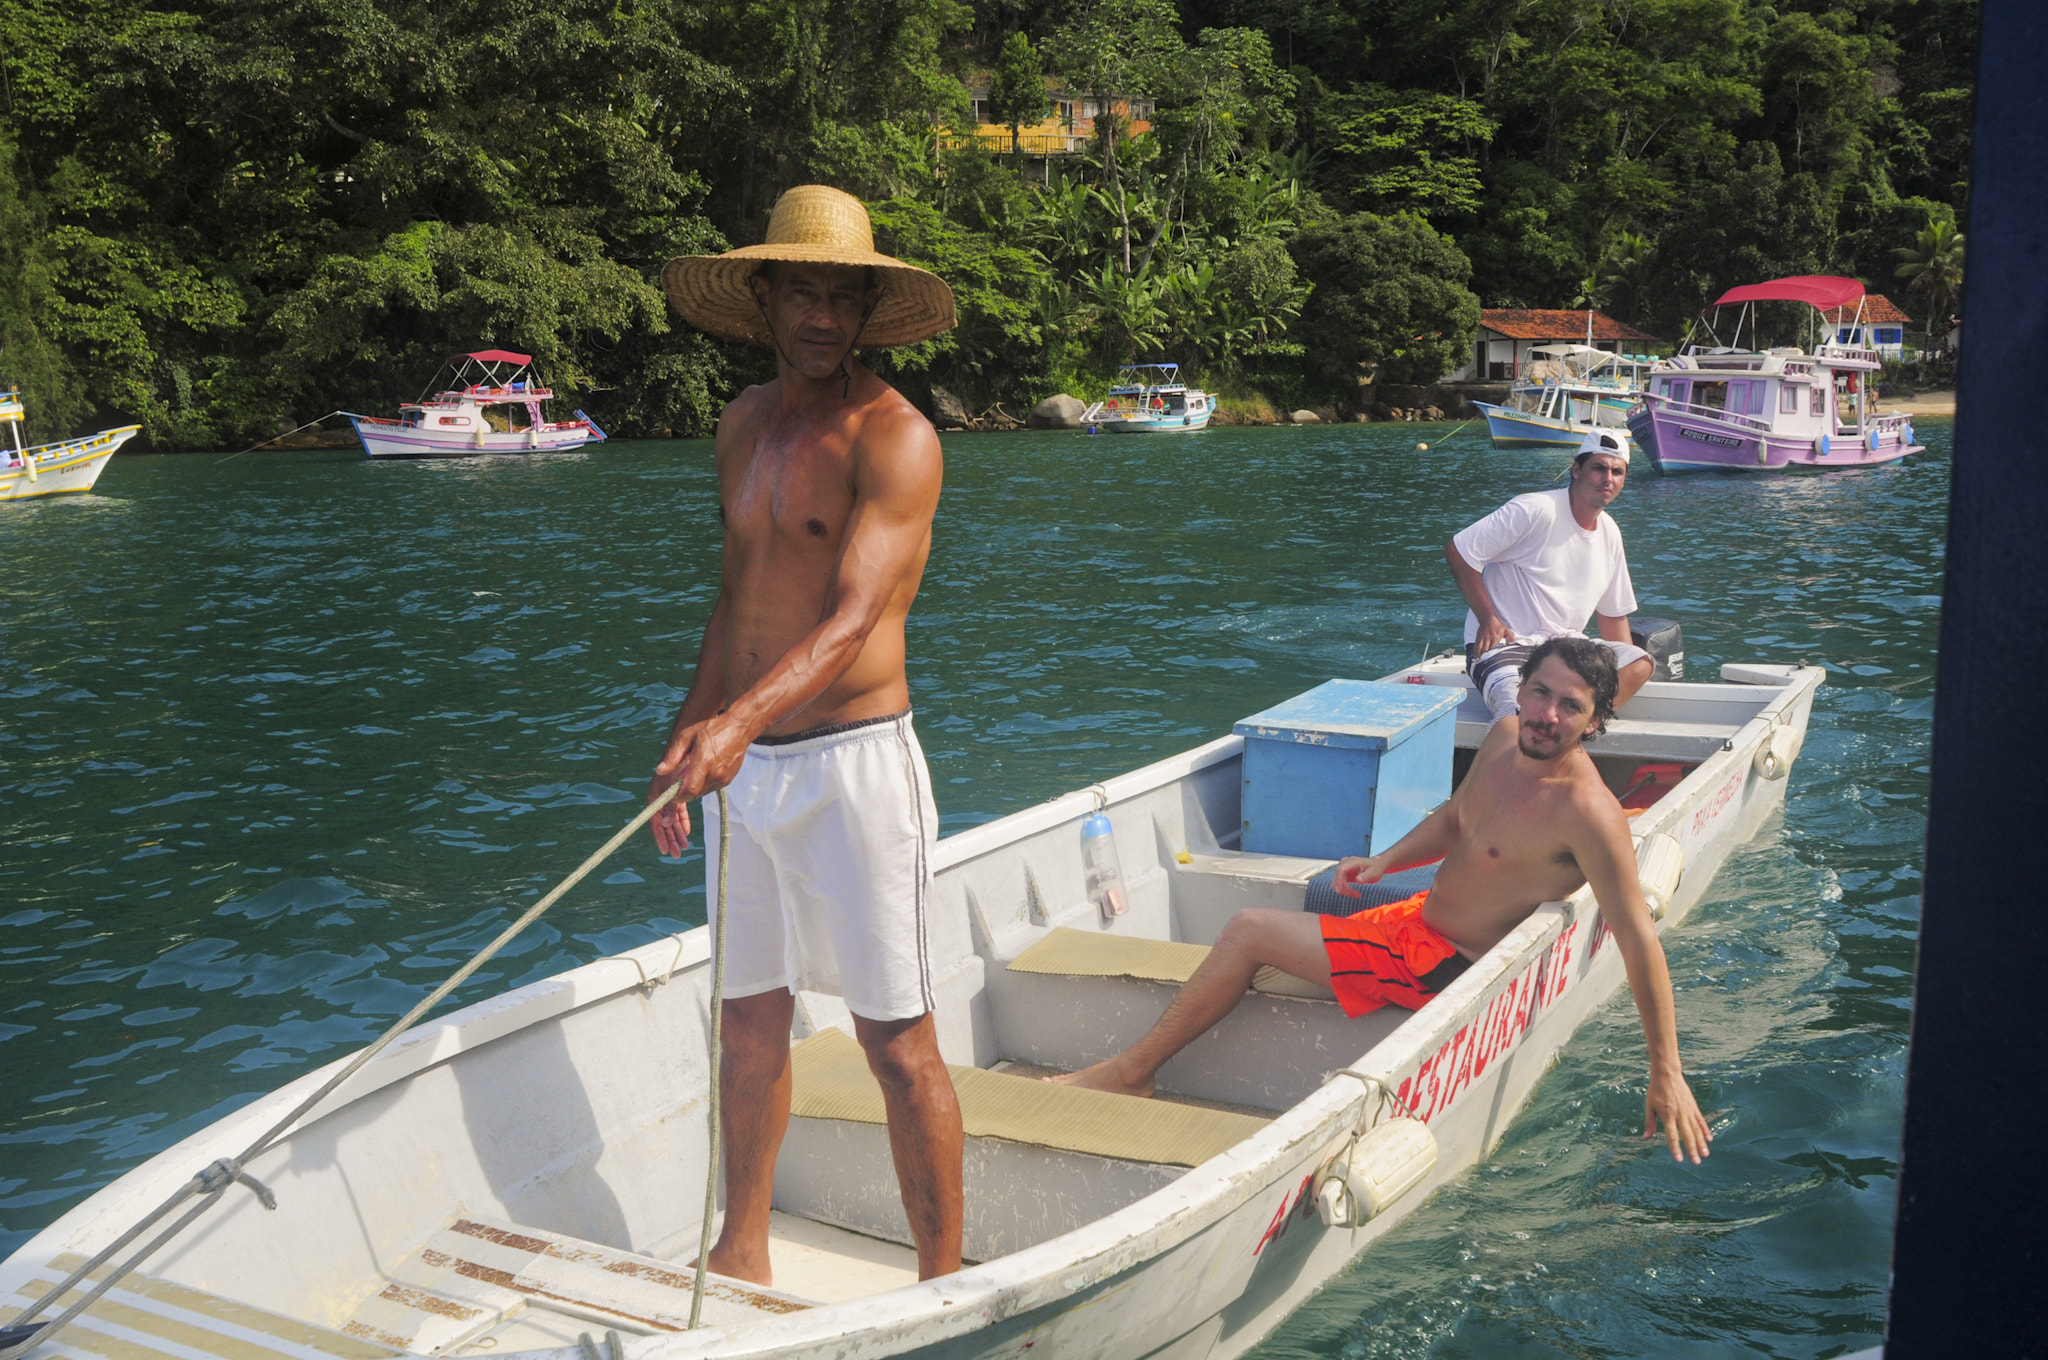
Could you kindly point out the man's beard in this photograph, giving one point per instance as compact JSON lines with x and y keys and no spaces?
{"x":1552,"y":744}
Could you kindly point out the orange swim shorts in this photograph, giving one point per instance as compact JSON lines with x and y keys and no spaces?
{"x":1389,"y":954}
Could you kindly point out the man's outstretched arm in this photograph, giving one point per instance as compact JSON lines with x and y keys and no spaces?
{"x":1607,"y":857}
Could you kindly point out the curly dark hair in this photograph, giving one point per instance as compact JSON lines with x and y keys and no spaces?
{"x":1592,"y":663}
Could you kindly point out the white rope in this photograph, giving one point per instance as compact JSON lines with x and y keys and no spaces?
{"x":19,"y":1339}
{"x":286,"y":435}
{"x":717,"y":1058}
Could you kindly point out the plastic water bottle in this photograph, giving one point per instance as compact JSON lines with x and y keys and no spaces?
{"x":1105,"y":874}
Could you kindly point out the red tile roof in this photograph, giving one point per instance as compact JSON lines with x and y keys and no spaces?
{"x":1878,"y":310}
{"x":1523,"y":323}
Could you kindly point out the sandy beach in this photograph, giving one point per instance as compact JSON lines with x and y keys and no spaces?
{"x":1926,"y":404}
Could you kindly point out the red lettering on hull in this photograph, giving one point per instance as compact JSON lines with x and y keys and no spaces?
{"x":1299,"y":1205}
{"x":1467,"y":1055}
{"x":1712,"y":808}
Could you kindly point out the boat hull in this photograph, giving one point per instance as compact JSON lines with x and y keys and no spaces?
{"x":1682,"y":441}
{"x":389,"y":439}
{"x":1162,"y":424}
{"x":575,"y":1105}
{"x":67,"y":467}
{"x":1512,"y":429}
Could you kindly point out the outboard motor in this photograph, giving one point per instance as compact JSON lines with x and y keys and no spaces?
{"x":1664,"y":640}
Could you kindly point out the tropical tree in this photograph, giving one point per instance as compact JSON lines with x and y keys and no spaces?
{"x":1411,"y":149}
{"x":1116,"y":52}
{"x":1933,"y":266}
{"x":1389,"y":292}
{"x":1017,"y":94}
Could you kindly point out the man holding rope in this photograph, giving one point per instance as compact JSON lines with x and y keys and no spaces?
{"x":800,"y":709}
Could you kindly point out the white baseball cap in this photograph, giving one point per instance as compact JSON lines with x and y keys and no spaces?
{"x":1605,"y":441}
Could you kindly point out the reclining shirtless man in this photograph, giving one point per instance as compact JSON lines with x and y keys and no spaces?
{"x":1529,"y":824}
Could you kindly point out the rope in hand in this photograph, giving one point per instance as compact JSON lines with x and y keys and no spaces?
{"x":18,"y":1338}
{"x":717,"y":1057}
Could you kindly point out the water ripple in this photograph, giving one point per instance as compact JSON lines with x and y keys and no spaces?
{"x":289,"y":736}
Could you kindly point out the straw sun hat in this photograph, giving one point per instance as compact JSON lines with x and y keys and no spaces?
{"x":811,"y":224}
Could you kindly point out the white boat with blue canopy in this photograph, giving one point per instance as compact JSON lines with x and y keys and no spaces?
{"x":1568,"y":392}
{"x":527,"y":1175}
{"x":1148,"y":398}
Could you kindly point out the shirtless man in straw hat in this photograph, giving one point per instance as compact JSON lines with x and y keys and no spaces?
{"x":799,"y":710}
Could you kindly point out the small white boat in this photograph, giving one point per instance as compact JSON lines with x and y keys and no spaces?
{"x":526,"y":1175}
{"x":1569,"y":391}
{"x":1148,"y":398}
{"x":456,"y":422}
{"x":52,"y":469}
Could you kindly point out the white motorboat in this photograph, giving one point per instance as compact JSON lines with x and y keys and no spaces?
{"x":460,"y":421}
{"x":526,"y":1175}
{"x":1150,"y":398}
{"x":1569,"y":391}
{"x":52,"y":469}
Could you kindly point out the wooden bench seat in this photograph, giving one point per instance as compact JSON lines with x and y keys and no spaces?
{"x":473,"y":1277}
{"x":144,"y":1318}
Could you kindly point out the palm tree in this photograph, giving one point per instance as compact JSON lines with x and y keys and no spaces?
{"x":1933,"y":264}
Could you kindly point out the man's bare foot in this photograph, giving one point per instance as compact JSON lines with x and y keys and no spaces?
{"x":737,"y":1266}
{"x":1104,"y":1076}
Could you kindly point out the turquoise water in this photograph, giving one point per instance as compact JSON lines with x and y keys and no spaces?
{"x":286,"y":737}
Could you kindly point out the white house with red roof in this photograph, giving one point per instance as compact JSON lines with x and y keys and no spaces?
{"x":1508,"y":334}
{"x":1879,"y":325}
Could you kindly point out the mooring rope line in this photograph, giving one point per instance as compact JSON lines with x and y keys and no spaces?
{"x":286,"y":435}
{"x":214,"y":1180}
{"x":717,"y":1053}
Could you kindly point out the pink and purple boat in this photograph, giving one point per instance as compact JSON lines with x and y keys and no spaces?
{"x":1729,"y":409}
{"x":454,"y":423}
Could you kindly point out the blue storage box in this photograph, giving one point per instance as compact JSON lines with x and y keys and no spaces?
{"x":1347,"y":768}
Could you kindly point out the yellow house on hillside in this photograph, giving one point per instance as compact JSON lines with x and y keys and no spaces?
{"x":1065,"y":131}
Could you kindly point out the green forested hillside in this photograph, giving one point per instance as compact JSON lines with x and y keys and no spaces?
{"x":222,"y":216}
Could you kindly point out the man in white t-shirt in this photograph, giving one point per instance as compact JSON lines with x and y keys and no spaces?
{"x":1538,"y":566}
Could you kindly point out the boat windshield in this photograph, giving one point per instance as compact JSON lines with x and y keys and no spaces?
{"x":1585,"y":365}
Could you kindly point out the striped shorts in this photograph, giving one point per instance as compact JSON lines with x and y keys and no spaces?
{"x":1497,"y":674}
{"x":1389,"y":955}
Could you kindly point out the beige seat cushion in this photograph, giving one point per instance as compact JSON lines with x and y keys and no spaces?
{"x":1088,"y":953}
{"x":832,"y":1081}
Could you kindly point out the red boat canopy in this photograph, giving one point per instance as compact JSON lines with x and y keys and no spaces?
{"x":497,"y":356}
{"x":1825,"y":291}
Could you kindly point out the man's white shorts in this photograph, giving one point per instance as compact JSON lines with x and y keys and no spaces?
{"x":829,"y":887}
{"x":1497,"y":675}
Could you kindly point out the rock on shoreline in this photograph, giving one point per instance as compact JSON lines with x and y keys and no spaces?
{"x":1057,"y":412}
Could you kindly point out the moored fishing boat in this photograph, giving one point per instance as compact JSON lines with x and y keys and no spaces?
{"x":1150,"y":397}
{"x":52,"y":469}
{"x":1569,"y":391}
{"x":525,"y":1175}
{"x":457,"y":421}
{"x":1728,"y":409}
